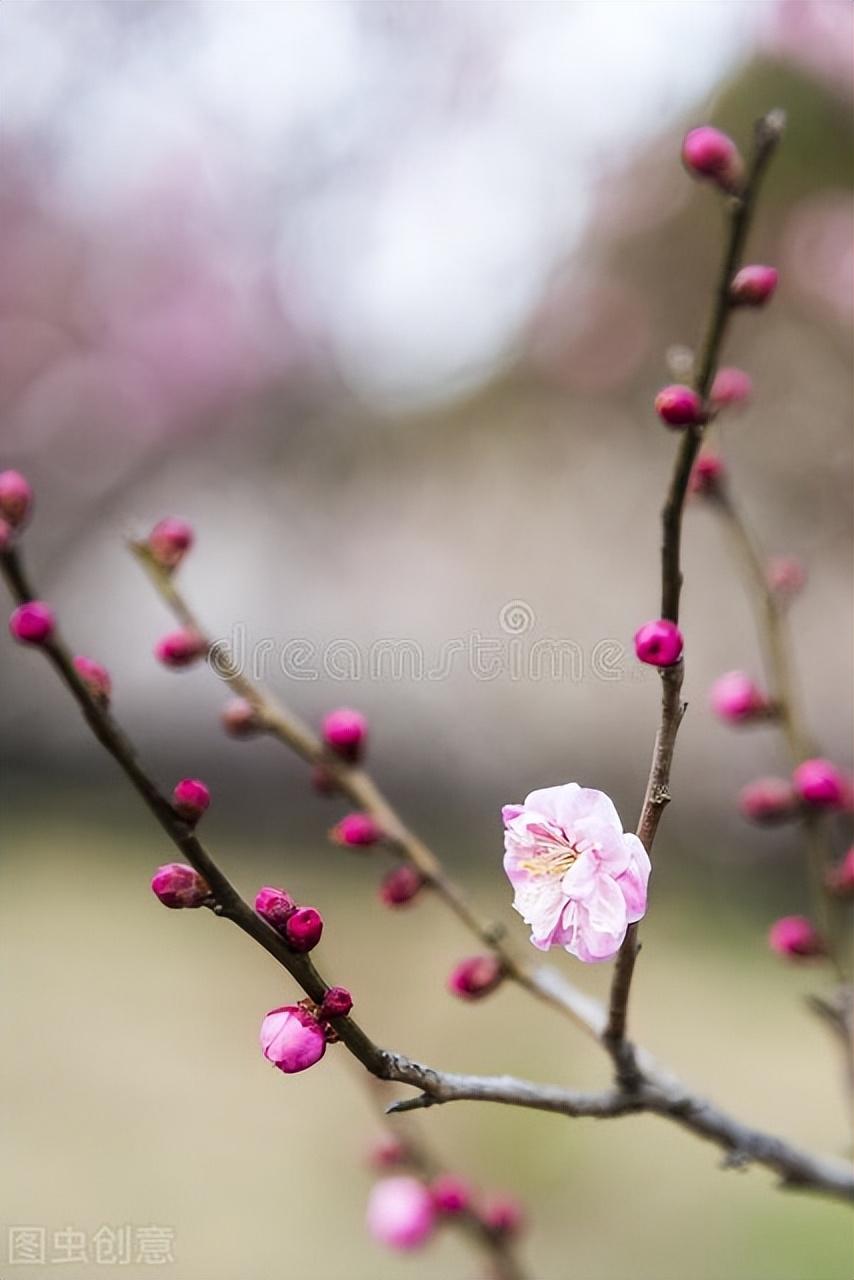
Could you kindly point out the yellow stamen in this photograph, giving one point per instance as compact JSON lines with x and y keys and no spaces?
{"x":550,"y":864}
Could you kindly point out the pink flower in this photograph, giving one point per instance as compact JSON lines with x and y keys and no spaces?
{"x":401,"y":1213}
{"x":292,"y":1039}
{"x":580,"y":880}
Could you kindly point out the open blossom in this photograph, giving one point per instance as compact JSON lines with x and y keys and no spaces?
{"x":580,"y":880}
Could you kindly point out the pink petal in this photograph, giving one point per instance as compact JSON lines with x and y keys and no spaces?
{"x":580,"y":880}
{"x":552,"y":802}
{"x":600,"y":923}
{"x":633,"y":882}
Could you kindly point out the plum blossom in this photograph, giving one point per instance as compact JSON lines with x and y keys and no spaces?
{"x":579,"y":879}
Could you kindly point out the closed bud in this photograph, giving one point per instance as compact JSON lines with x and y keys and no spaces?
{"x":32,"y":623}
{"x":451,"y":1194}
{"x":786,"y":575}
{"x":401,"y":1214}
{"x":96,"y":679}
{"x":796,"y":937}
{"x":16,"y":498}
{"x":239,"y":719}
{"x":476,"y":977}
{"x":734,"y":697}
{"x":659,"y":643}
{"x":679,"y":406}
{"x":177,"y":885}
{"x":190,"y":799}
{"x":387,"y":1152}
{"x":707,"y":475}
{"x":356,"y":830}
{"x":753,"y":286}
{"x":179,"y":648}
{"x":401,"y":885}
{"x":345,"y":732}
{"x":731,"y":387}
{"x":337,"y":1003}
{"x":503,"y":1214}
{"x":169,"y":541}
{"x":303,"y":929}
{"x":292,"y":1039}
{"x":768,"y":801}
{"x":275,"y":906}
{"x":820,"y":785}
{"x":711,"y":155}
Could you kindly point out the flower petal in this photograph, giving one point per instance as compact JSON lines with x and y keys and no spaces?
{"x":600,"y":923}
{"x":633,"y":881}
{"x":552,"y":802}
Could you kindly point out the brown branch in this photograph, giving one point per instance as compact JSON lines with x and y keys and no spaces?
{"x":767,"y":134}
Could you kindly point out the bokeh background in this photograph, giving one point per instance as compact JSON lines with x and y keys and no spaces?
{"x":377,"y":295}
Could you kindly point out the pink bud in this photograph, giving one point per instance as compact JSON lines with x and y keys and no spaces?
{"x":475,"y":977}
{"x":275,"y":906}
{"x":707,"y":153}
{"x":7,"y":535}
{"x":170,"y":540}
{"x":239,"y":719}
{"x":768,"y":801}
{"x":736,"y":698}
{"x":16,"y":498}
{"x":32,"y":623}
{"x":292,"y":1039}
{"x":795,"y":936}
{"x":731,"y":386}
{"x":451,"y":1194}
{"x":337,"y":1003}
{"x":358,"y":830}
{"x":190,"y":799}
{"x":840,"y":879}
{"x":386,"y":1152}
{"x":179,"y":648}
{"x":707,"y":475}
{"x":345,"y":732}
{"x":753,"y":286}
{"x":95,"y":677}
{"x":786,"y":575}
{"x":178,"y":885}
{"x":400,"y":885}
{"x":303,"y":929}
{"x":400,"y":1212}
{"x":503,"y":1214}
{"x":679,"y":406}
{"x":659,"y":643}
{"x":820,"y":784}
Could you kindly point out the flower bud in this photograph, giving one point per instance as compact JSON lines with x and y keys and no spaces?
{"x":400,"y":885}
{"x":303,"y":929}
{"x":786,"y":575}
{"x":709,"y":154}
{"x":795,"y":936}
{"x":659,"y":643}
{"x":358,"y":830}
{"x":753,"y":286}
{"x":190,"y":799}
{"x":239,"y":719}
{"x":386,"y":1152}
{"x":503,"y":1214}
{"x":451,"y":1194}
{"x":707,"y":475}
{"x":840,"y":879}
{"x":32,"y":623}
{"x":400,"y":1212}
{"x":820,"y":785}
{"x":736,"y":698}
{"x":169,"y":541}
{"x":337,"y":1003}
{"x":96,"y":679}
{"x":476,"y":977}
{"x":679,"y":406}
{"x":768,"y":801}
{"x":179,"y":648}
{"x":16,"y":498}
{"x":178,"y":885}
{"x":275,"y":906}
{"x":731,"y":387}
{"x":292,"y":1039}
{"x":345,"y":732}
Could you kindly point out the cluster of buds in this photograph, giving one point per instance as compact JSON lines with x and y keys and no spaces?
{"x":300,"y":927}
{"x":404,"y":1212}
{"x":816,"y":784}
{"x":294,"y":1036}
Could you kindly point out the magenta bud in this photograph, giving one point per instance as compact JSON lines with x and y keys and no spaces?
{"x":179,"y":648}
{"x":345,"y":732}
{"x":387,"y":1152}
{"x":820,"y":785}
{"x":734,"y":697}
{"x":356,"y":830}
{"x":713,"y":156}
{"x":753,"y":286}
{"x":796,"y":937}
{"x":400,"y":1213}
{"x":337,"y":1003}
{"x":400,"y":885}
{"x":768,"y":801}
{"x":303,"y":929}
{"x":169,"y":541}
{"x":786,"y":575}
{"x":239,"y":719}
{"x":32,"y":623}
{"x":840,"y":879}
{"x":659,"y":643}
{"x":476,"y":977}
{"x":177,"y":885}
{"x":503,"y":1214}
{"x":275,"y":906}
{"x":190,"y":799}
{"x":451,"y":1194}
{"x":16,"y":498}
{"x":708,"y":475}
{"x":292,"y":1039}
{"x":95,"y":677}
{"x":731,"y":387}
{"x":679,"y":406}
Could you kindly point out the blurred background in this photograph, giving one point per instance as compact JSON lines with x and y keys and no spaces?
{"x":378,"y":295}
